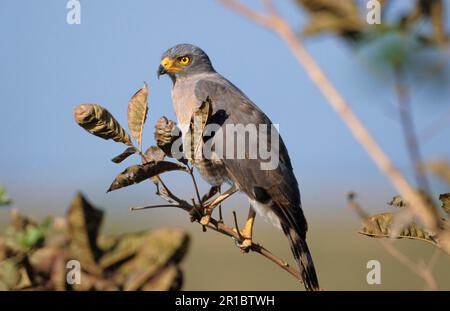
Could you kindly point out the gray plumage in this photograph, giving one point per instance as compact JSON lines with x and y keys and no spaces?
{"x":274,"y":194}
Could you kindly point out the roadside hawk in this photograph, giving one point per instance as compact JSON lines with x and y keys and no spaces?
{"x":273,"y":192}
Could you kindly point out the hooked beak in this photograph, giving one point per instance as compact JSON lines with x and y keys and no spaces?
{"x":169,"y":66}
{"x":161,"y":71}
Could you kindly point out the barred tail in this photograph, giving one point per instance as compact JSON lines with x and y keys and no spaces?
{"x":303,"y":257}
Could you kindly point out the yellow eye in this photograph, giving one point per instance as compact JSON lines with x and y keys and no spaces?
{"x":184,"y":60}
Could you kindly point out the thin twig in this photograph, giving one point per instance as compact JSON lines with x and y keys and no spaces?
{"x":236,"y":225}
{"x":409,"y":131}
{"x":257,"y":248}
{"x":273,"y":21}
{"x":221,"y":197}
{"x":441,"y":122}
{"x":197,"y":191}
{"x":139,"y":208}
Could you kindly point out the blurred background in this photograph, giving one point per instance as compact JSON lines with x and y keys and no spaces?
{"x":48,"y":67}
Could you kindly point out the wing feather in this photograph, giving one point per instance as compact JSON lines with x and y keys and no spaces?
{"x":231,"y":106}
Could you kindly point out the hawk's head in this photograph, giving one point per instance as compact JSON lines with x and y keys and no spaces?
{"x":184,"y":59}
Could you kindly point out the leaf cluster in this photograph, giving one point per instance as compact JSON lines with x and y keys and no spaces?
{"x":33,"y":256}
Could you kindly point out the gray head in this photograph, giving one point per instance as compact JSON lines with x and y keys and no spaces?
{"x":184,"y":59}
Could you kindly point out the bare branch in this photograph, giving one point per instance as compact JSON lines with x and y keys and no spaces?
{"x":220,"y":227}
{"x":139,"y":208}
{"x":409,"y":131}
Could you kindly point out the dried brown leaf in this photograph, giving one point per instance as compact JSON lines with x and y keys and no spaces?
{"x":441,"y":169}
{"x":437,"y":13}
{"x":194,"y":138}
{"x":380,"y":225}
{"x":9,"y":273}
{"x":98,"y":121}
{"x":125,"y":247}
{"x":159,"y":249}
{"x":165,"y":135}
{"x":137,"y":173}
{"x":127,"y":152}
{"x":445,"y":199}
{"x":341,"y":17}
{"x":169,"y":279}
{"x":397,"y":201}
{"x":154,"y":154}
{"x":84,"y":222}
{"x":137,"y":113}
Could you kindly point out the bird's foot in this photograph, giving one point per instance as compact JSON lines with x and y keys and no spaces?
{"x":205,"y":218}
{"x":246,"y":242}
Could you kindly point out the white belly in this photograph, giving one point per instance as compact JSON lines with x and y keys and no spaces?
{"x":265,"y":212}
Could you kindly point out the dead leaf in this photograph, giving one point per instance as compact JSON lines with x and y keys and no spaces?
{"x":169,"y":279}
{"x":379,"y":226}
{"x":127,"y":152}
{"x":137,"y":113}
{"x":125,"y":247}
{"x":165,"y":135}
{"x":397,"y":201}
{"x":137,"y":173}
{"x":441,"y":169}
{"x":154,"y":154}
{"x":98,"y":121}
{"x":340,"y":17}
{"x":445,"y":199}
{"x":194,"y":138}
{"x":9,"y":273}
{"x":84,"y":222}
{"x":159,"y":249}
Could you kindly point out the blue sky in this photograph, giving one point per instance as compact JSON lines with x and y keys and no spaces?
{"x":48,"y":67}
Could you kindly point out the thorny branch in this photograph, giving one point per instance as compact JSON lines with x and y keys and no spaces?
{"x":273,"y":21}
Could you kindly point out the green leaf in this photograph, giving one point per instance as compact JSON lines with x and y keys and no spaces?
{"x":4,"y":197}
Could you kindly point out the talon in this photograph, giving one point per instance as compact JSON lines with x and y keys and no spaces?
{"x":246,"y":243}
{"x":205,"y":220}
{"x":194,"y":215}
{"x":247,"y":233}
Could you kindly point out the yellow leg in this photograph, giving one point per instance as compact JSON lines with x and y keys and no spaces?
{"x":247,"y":233}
